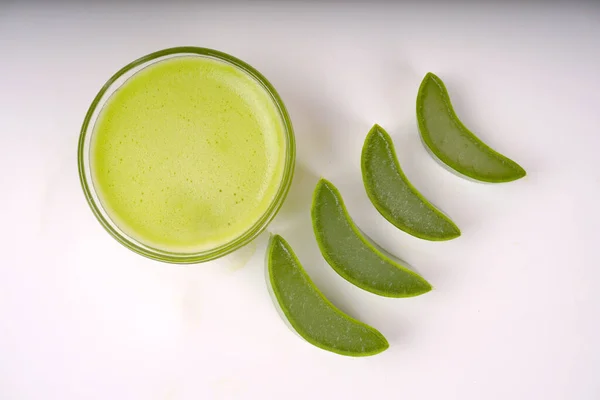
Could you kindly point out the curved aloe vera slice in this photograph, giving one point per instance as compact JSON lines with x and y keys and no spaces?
{"x":352,"y":255}
{"x":452,"y":143}
{"x":394,"y":196}
{"x":310,"y":313}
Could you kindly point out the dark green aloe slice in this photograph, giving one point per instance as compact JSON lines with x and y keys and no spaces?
{"x":394,"y":196}
{"x":452,"y":143}
{"x":310,"y":313}
{"x":352,"y":255}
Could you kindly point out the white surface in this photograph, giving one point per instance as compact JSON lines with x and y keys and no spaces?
{"x":516,"y":307}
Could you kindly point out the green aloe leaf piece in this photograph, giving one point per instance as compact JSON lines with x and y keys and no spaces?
{"x":452,"y":143}
{"x":352,"y":255}
{"x":395,"y":197}
{"x":310,"y":313}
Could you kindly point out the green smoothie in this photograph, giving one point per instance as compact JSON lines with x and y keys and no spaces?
{"x":188,"y":154}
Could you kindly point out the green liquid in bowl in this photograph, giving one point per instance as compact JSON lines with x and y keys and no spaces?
{"x":188,"y":154}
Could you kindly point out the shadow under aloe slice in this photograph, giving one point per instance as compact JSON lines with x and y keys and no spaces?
{"x":452,"y":143}
{"x":310,"y":313}
{"x":352,"y":255}
{"x":395,"y":197}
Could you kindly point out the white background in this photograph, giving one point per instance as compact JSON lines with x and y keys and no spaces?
{"x":515,"y":312}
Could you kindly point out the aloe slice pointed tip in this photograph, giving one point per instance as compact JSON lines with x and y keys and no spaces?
{"x":309,"y":312}
{"x":392,"y":194}
{"x":352,"y":255}
{"x":452,"y":143}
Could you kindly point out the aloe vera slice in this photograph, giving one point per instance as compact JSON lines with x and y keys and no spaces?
{"x":394,"y":196}
{"x":352,"y":255}
{"x":310,"y":313}
{"x":452,"y":143}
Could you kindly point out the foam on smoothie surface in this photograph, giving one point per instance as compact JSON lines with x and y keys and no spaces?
{"x":188,"y":154}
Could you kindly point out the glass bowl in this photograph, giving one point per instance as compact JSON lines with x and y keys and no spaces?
{"x":85,"y":172}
